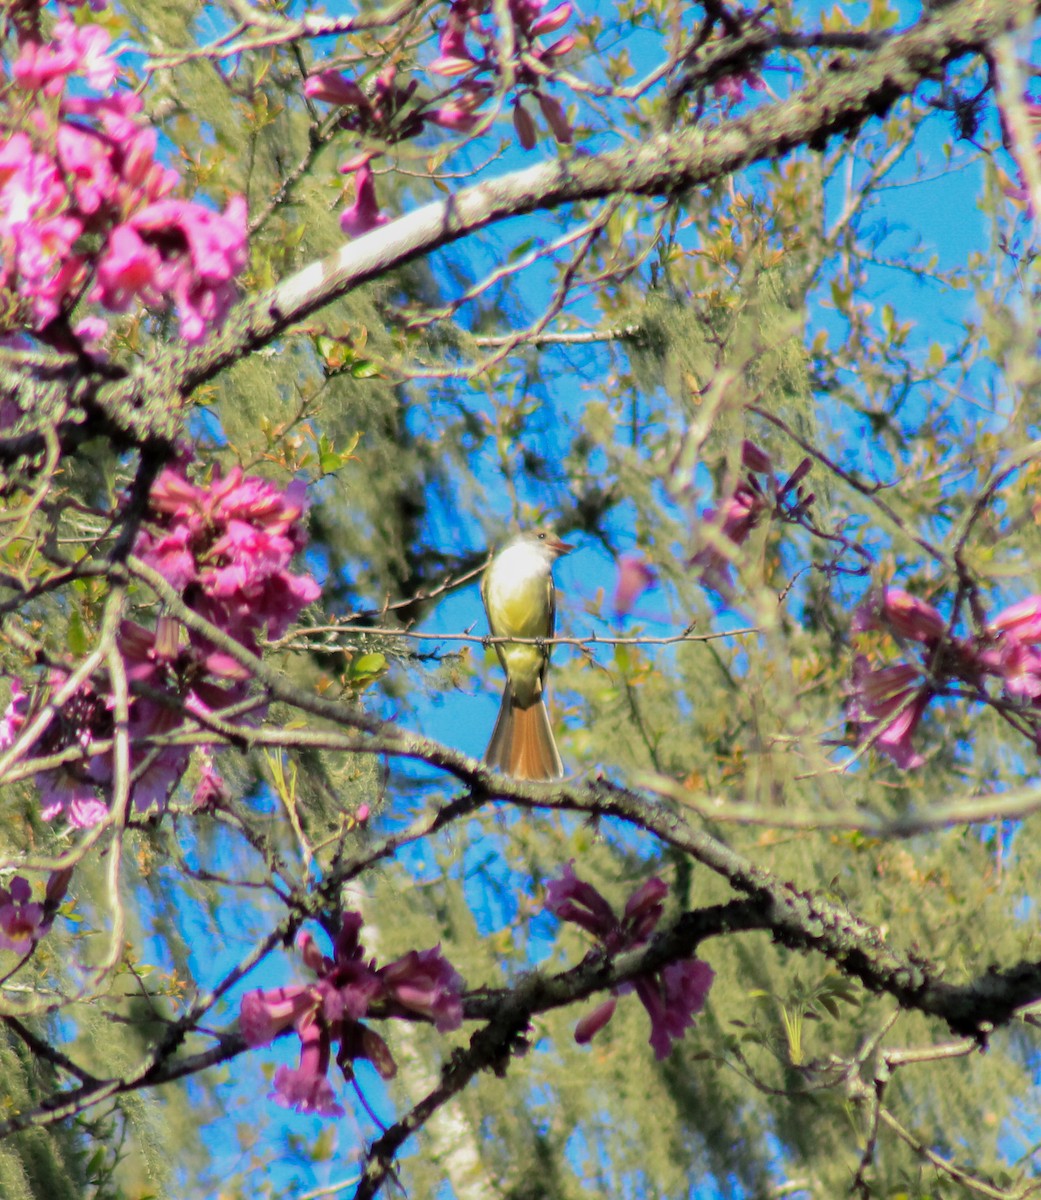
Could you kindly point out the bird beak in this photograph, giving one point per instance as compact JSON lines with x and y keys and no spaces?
{"x":558,"y":547}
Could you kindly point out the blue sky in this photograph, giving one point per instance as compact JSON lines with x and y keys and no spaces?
{"x":943,"y":212}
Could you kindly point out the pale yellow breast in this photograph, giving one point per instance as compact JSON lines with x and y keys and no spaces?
{"x":517,"y":594}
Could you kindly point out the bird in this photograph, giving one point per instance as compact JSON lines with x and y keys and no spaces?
{"x":520,"y":600}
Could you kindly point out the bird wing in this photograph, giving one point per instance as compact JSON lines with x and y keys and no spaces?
{"x":551,"y":598}
{"x":491,"y":624}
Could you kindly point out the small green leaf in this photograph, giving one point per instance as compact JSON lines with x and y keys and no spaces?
{"x":76,"y":637}
{"x":367,"y":667}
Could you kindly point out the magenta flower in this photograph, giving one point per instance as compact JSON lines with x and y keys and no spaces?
{"x":64,"y":793}
{"x":348,"y":987}
{"x":211,"y":791}
{"x":22,"y":920}
{"x":906,"y":615}
{"x":732,"y":87}
{"x":460,"y":114}
{"x":307,"y":1088}
{"x":456,"y":57}
{"x":127,"y":272}
{"x":198,"y":254}
{"x":1014,"y":649}
{"x":14,"y":715}
{"x":887,"y":704}
{"x":425,"y":982}
{"x":591,"y":1024}
{"x":364,"y":214}
{"x":264,"y":1015}
{"x":90,"y":177}
{"x":736,"y":518}
{"x":672,"y":996}
{"x":550,"y":22}
{"x":1021,"y":621}
{"x":333,"y":87}
{"x":75,"y":50}
{"x":231,"y":543}
{"x":635,"y":576}
{"x":228,"y":546}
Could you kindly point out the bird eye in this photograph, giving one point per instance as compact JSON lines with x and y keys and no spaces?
{"x":542,"y":537}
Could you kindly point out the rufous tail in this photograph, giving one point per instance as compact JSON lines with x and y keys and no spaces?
{"x":522,"y":742}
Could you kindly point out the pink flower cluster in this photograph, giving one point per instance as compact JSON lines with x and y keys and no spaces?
{"x":456,"y":58}
{"x":389,"y":112}
{"x":226,"y":548}
{"x":887,"y":702}
{"x":85,"y":210}
{"x":672,"y":996}
{"x":743,"y":510}
{"x":421,"y":984}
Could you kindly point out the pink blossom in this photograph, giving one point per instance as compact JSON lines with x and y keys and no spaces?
{"x":22,"y":920}
{"x":307,"y":1088}
{"x":30,"y":184}
{"x":456,"y":115}
{"x":232,"y":543}
{"x":86,"y":157}
{"x":348,"y":987}
{"x":449,"y":64}
{"x":425,"y":982}
{"x":264,"y":1015}
{"x":90,"y":332}
{"x":732,"y":87}
{"x":454,"y":57}
{"x":672,"y":998}
{"x":14,"y":715}
{"x":906,"y":615}
{"x":332,"y":87}
{"x":74,"y":50}
{"x":672,"y":995}
{"x":364,"y":214}
{"x":572,"y":899}
{"x":736,"y":518}
{"x":643,"y":910}
{"x":127,"y":272}
{"x":635,"y":576}
{"x":211,"y":791}
{"x":74,"y":796}
{"x":1013,"y":652}
{"x":555,"y":19}
{"x":1021,"y":621}
{"x":887,"y":703}
{"x":200,"y":253}
{"x":559,"y":48}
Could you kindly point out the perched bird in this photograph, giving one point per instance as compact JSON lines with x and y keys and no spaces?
{"x":517,"y":590}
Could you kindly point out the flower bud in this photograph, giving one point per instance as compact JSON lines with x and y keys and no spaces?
{"x":525,"y":126}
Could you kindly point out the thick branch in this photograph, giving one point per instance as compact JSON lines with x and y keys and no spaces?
{"x":665,"y":165}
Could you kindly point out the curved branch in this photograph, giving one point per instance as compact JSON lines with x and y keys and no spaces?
{"x":665,"y":165}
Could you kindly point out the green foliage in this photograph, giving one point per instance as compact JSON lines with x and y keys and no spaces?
{"x":428,"y":410}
